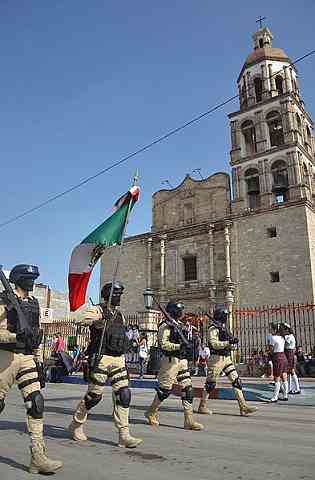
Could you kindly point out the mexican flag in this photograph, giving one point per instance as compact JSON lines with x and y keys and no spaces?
{"x":88,"y":252}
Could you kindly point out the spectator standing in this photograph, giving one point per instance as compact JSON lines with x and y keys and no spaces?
{"x":300,"y":361}
{"x":135,"y":344}
{"x":252,"y":364}
{"x":129,"y":334}
{"x":279,"y":362}
{"x":58,"y":343}
{"x":143,"y":354}
{"x":203,"y":356}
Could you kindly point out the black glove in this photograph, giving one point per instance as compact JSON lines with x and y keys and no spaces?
{"x":25,"y":342}
{"x":233,"y":341}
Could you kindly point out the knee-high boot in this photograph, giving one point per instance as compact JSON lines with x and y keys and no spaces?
{"x":152,"y":414}
{"x":189,"y":421}
{"x":40,"y":462}
{"x":78,"y":420}
{"x":121,"y":419}
{"x":203,"y":404}
{"x":245,"y":409}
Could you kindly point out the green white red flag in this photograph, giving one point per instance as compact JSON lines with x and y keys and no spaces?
{"x":85,"y":255}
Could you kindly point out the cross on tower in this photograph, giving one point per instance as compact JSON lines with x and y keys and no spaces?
{"x":260,"y":19}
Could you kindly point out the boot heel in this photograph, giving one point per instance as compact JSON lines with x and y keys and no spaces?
{"x":33,"y":469}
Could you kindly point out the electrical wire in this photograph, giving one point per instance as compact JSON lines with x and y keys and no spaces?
{"x":124,"y":159}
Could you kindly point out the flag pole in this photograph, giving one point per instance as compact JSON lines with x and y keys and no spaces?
{"x":117,"y":263}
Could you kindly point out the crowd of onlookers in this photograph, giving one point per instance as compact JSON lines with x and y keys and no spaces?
{"x":260,"y":363}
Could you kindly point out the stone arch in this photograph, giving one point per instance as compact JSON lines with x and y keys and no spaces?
{"x":251,"y":176}
{"x":280,"y":182}
{"x":279,"y":81}
{"x":249,"y":135}
{"x":275,"y":127}
{"x":258,"y":86}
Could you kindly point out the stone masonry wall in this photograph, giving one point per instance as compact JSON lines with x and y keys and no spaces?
{"x":132,"y":272}
{"x":257,"y":255}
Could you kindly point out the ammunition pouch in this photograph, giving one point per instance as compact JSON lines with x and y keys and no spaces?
{"x":186,"y":352}
{"x":117,"y":344}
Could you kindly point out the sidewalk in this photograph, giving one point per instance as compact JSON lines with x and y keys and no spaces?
{"x":255,"y":389}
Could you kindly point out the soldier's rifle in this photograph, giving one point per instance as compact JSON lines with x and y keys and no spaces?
{"x":11,"y":300}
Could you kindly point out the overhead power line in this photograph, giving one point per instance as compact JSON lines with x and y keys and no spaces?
{"x":124,"y":159}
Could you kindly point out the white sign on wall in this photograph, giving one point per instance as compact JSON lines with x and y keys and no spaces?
{"x":46,"y":314}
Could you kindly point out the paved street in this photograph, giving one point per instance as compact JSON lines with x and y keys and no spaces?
{"x":277,"y":443}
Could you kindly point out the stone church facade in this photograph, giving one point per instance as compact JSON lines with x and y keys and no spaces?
{"x":248,"y":239}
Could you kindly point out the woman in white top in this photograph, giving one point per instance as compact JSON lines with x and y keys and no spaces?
{"x":289,"y":350}
{"x":143,"y":353}
{"x":279,"y":362}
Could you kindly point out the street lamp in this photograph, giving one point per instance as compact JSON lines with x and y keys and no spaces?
{"x":148,"y":298}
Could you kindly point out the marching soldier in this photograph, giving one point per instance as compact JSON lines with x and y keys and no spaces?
{"x":18,"y":352}
{"x":174,"y":366}
{"x":221,"y":343}
{"x":111,"y":364}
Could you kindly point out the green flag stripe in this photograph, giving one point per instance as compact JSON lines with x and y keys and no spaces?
{"x":110,"y":232}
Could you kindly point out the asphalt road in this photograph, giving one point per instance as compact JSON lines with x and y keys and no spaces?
{"x":276,"y":443}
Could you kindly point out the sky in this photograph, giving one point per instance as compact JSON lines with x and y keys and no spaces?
{"x":85,"y":83}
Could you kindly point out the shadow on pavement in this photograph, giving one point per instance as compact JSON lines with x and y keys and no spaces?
{"x":13,"y":463}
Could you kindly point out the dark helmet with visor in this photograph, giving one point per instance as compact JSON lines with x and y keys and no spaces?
{"x":175,"y":309}
{"x":24,"y":276}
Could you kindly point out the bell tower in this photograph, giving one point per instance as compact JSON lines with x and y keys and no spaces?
{"x":272,"y":154}
{"x":273,"y":172}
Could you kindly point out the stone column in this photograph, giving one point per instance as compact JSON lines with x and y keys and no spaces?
{"x":212,"y":287}
{"x":291,"y":79}
{"x":250,"y":89}
{"x":229,"y":288}
{"x":163,"y":269}
{"x":287,"y":80}
{"x":272,"y":80}
{"x":260,"y":132}
{"x":227,"y":251}
{"x":265,"y":83}
{"x":234,"y":185}
{"x":149,"y":262}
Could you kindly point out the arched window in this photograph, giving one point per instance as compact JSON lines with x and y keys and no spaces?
{"x":253,"y":189}
{"x":249,"y":133}
{"x":279,"y":84}
{"x":294,"y":85}
{"x":243,"y":95}
{"x":305,"y":174}
{"x":308,"y":135}
{"x":188,"y":213}
{"x":275,"y":127}
{"x":298,"y":128}
{"x":258,"y":88}
{"x":279,"y":171}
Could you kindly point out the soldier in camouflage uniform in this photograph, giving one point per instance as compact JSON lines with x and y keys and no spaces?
{"x":18,"y":352}
{"x":221,"y":343}
{"x":174,"y":367}
{"x":111,"y":365}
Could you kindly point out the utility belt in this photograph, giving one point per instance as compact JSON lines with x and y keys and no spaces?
{"x":225,"y":352}
{"x":171,"y":353}
{"x":182,"y":354}
{"x":17,"y":348}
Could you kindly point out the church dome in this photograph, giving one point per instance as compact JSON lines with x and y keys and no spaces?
{"x":266,"y":53}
